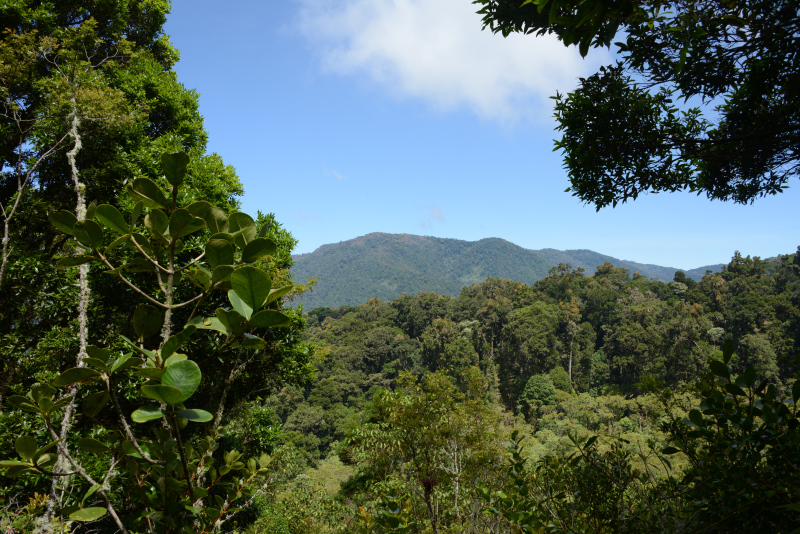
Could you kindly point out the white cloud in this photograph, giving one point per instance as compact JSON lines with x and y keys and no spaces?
{"x":335,"y":174}
{"x":436,"y":214}
{"x":435,"y":50}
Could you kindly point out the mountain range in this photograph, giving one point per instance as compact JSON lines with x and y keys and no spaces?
{"x":387,"y":265}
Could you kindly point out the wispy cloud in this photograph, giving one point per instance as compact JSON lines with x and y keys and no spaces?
{"x":435,"y":50}
{"x":300,"y":215}
{"x":434,"y":214}
{"x":335,"y":174}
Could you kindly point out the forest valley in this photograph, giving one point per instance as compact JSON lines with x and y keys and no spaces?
{"x":156,"y":378}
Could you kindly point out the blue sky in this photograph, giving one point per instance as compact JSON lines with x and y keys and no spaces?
{"x":345,"y":117}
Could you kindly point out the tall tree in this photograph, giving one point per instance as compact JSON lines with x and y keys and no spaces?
{"x":625,"y":135}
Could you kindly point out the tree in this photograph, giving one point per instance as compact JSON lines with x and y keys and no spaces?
{"x":623,"y":132}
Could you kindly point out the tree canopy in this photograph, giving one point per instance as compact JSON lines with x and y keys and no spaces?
{"x":703,"y":97}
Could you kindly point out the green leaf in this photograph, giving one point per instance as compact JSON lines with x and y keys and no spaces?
{"x":275,"y":294}
{"x":156,"y":223}
{"x":735,"y":390}
{"x":257,"y":248}
{"x":63,"y":220}
{"x":719,"y":369}
{"x":88,"y":514}
{"x":88,"y":234}
{"x":174,"y":359}
{"x":23,"y":403}
{"x":796,"y":391}
{"x":147,"y":321}
{"x":252,"y":286}
{"x":93,"y":403}
{"x":198,"y":416}
{"x":252,"y":342}
{"x":670,"y":450}
{"x":182,"y":223}
{"x":125,"y":362}
{"x":121,"y":240}
{"x":218,"y":252}
{"x":148,"y":192}
{"x":76,"y":374}
{"x":175,"y":342}
{"x":92,"y":445}
{"x":153,"y":373}
{"x":268,"y":319}
{"x":174,"y":167}
{"x":221,"y":273}
{"x":111,"y":217}
{"x":243,"y":228}
{"x":137,"y":210}
{"x":26,"y":447}
{"x":142,"y":241}
{"x":74,"y":261}
{"x":208,"y":323}
{"x":90,"y":210}
{"x":184,"y":376}
{"x":232,"y":321}
{"x":239,"y":305}
{"x":98,"y":353}
{"x":147,"y":413}
{"x":727,"y":351}
{"x":216,"y":220}
{"x":139,"y":265}
{"x":199,"y":208}
{"x":94,"y":363}
{"x":697,"y":418}
{"x":163,"y":393}
{"x":200,"y":277}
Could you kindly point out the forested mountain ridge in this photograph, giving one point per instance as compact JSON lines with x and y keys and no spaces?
{"x":381,"y":265}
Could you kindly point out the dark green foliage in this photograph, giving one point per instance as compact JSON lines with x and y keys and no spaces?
{"x":624,"y":132}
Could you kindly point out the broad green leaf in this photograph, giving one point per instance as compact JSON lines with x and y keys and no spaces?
{"x":94,"y":363}
{"x":63,"y":220}
{"x":93,"y":403}
{"x":147,"y":321}
{"x":92,"y":445}
{"x":175,"y":342}
{"x":90,"y":492}
{"x":225,"y":237}
{"x":88,"y":234}
{"x":88,"y":514}
{"x":137,"y":210}
{"x":239,"y":305}
{"x":153,"y":373}
{"x":222,"y":273}
{"x":148,"y":192}
{"x":200,"y":277}
{"x":121,"y":240}
{"x":90,"y":210}
{"x":727,"y":351}
{"x":232,"y":321}
{"x":74,"y":261}
{"x":174,"y":359}
{"x":26,"y":447}
{"x":40,"y":391}
{"x":98,"y":353}
{"x":146,"y":413}
{"x":219,"y":252}
{"x":252,"y":342}
{"x":149,"y":354}
{"x":174,"y":167}
{"x":696,"y":417}
{"x":139,"y":265}
{"x":719,"y":369}
{"x":198,"y":416}
{"x":257,"y":248}
{"x":216,"y":220}
{"x":163,"y":393}
{"x":252,"y":285}
{"x":184,"y":376}
{"x":275,"y":294}
{"x":4,"y":464}
{"x":125,"y":362}
{"x":735,"y":390}
{"x":156,"y":223}
{"x":17,"y":470}
{"x":111,"y":217}
{"x":182,"y":223}
{"x":76,"y":374}
{"x":268,"y":319}
{"x":209,"y":323}
{"x":199,"y":208}
{"x":243,"y":228}
{"x":23,"y":403}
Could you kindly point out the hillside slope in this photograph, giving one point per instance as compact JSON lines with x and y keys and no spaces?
{"x":387,"y":265}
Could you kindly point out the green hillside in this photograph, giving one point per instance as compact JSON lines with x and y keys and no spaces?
{"x":387,"y":265}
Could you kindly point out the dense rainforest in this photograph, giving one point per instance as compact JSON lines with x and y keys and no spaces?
{"x":156,"y":378}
